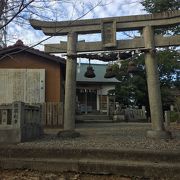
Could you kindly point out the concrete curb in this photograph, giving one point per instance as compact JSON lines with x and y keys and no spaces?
{"x":127,"y":163}
{"x":14,"y":151}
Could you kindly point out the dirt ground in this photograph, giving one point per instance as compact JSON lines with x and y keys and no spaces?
{"x":34,"y":175}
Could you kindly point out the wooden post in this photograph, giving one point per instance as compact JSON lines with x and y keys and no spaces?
{"x":167,"y":118}
{"x":107,"y":105}
{"x":86,"y":105}
{"x":70,"y":84}
{"x":101,"y":102}
{"x":153,"y":86}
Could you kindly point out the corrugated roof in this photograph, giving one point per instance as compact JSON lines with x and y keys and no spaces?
{"x":99,"y":70}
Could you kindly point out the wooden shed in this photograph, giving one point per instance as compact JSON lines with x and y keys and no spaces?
{"x":33,"y":76}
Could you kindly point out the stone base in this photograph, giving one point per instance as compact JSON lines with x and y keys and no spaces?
{"x":161,"y":134}
{"x":68,"y":134}
{"x":119,"y":118}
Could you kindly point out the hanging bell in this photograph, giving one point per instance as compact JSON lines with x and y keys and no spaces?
{"x":90,"y":72}
{"x":132,"y":68}
{"x":109,"y":72}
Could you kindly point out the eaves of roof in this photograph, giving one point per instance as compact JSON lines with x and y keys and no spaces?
{"x":99,"y":70}
{"x":16,"y":48}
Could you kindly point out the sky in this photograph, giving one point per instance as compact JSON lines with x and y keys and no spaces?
{"x":71,"y":10}
{"x":64,"y":10}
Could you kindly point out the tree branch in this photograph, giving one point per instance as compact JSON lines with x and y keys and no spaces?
{"x":20,"y":10}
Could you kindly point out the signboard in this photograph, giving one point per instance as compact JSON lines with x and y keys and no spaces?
{"x":26,"y":85}
{"x":109,"y":33}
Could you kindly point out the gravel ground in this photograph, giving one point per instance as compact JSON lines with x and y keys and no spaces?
{"x":96,"y":136}
{"x":118,"y":136}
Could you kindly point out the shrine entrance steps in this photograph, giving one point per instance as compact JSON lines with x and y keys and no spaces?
{"x":93,"y":118}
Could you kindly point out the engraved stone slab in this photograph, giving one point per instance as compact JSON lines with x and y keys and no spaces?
{"x":109,"y":33}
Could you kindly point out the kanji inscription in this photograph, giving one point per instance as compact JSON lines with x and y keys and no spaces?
{"x":109,"y":33}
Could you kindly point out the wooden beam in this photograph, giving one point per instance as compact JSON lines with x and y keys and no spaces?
{"x":123,"y":23}
{"x":136,"y":43}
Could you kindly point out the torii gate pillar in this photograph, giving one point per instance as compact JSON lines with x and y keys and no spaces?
{"x":154,"y":92}
{"x":70,"y":84}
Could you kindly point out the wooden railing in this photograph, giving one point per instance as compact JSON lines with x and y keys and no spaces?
{"x":171,"y":117}
{"x":135,"y":114}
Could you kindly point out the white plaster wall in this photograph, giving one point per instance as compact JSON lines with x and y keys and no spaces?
{"x":104,"y":89}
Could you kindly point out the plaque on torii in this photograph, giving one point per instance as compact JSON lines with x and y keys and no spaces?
{"x":108,"y":28}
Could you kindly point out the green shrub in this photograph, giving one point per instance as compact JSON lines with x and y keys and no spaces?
{"x":174,"y":116}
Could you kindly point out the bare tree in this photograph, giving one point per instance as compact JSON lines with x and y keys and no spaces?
{"x":2,"y":6}
{"x":2,"y":22}
{"x":18,"y":12}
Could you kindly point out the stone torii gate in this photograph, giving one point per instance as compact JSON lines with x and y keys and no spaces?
{"x":108,"y":28}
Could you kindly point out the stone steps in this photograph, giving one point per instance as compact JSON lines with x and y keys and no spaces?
{"x":93,"y":119}
{"x":127,"y":163}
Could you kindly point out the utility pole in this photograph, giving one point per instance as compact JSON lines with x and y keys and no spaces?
{"x":3,"y":20}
